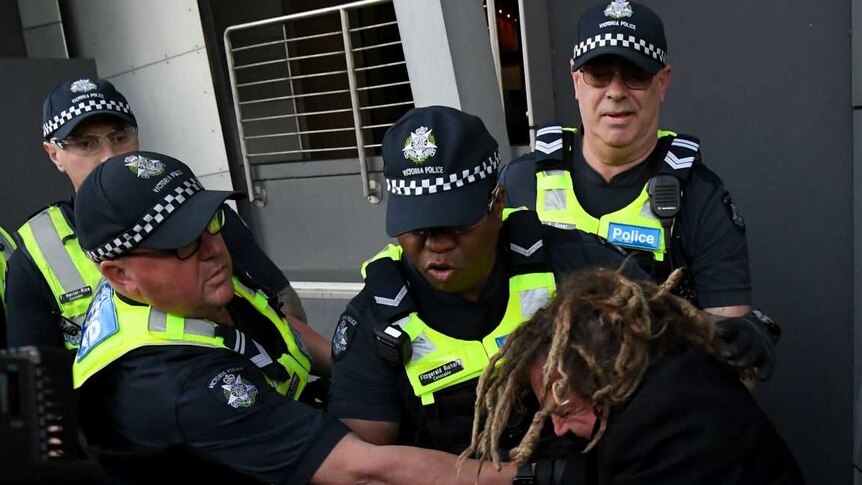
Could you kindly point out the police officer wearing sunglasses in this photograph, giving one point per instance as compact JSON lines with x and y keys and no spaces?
{"x":50,"y":281}
{"x":642,"y":188}
{"x":409,"y":348}
{"x":186,"y":369}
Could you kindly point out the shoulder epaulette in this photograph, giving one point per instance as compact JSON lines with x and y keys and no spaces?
{"x":682,"y":154}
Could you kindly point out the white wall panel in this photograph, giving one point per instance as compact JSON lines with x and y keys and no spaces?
{"x":123,"y":35}
{"x":176,"y":111}
{"x":216,"y":181}
{"x":154,"y":52}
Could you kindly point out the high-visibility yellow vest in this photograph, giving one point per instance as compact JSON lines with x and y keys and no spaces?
{"x":113,"y":328}
{"x":439,"y":361}
{"x":52,"y":245}
{"x":7,"y":245}
{"x":634,"y":226}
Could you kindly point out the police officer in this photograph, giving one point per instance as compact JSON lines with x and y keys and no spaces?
{"x":621,"y":177}
{"x":188,"y":370}
{"x":50,"y":281}
{"x":7,"y":246}
{"x":408,"y":349}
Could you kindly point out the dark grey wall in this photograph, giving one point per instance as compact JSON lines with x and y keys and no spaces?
{"x":11,"y":35}
{"x":24,"y":83}
{"x":766,"y":86}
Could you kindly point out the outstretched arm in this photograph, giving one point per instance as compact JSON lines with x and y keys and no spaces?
{"x":354,"y":461}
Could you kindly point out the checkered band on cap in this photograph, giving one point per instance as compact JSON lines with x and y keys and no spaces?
{"x":83,"y":107}
{"x":147,"y":224}
{"x":443,"y":184}
{"x":620,"y":40}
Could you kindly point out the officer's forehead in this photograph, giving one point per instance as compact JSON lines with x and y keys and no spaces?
{"x":98,"y":122}
{"x":612,"y":60}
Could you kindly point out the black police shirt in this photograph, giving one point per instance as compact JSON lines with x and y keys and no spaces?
{"x":366,"y":387}
{"x":33,"y":317}
{"x":171,"y":410}
{"x":711,"y":228}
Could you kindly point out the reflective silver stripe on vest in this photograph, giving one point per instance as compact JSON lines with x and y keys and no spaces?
{"x":158,"y":322}
{"x":555,"y":199}
{"x":532,"y":300}
{"x":55,"y":253}
{"x":194,"y":326}
{"x":7,"y":246}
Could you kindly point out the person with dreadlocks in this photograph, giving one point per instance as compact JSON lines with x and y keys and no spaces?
{"x":639,"y":375}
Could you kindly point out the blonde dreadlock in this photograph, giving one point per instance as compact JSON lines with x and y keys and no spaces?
{"x":599,"y":334}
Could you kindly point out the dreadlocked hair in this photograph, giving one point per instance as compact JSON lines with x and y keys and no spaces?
{"x":598,"y":337}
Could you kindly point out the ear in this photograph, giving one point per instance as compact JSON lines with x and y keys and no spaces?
{"x":118,"y":274}
{"x":664,"y":81}
{"x":52,"y":151}
{"x":500,"y":201}
{"x":576,"y":76}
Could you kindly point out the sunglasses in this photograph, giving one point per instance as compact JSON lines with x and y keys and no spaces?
{"x":214,"y":227}
{"x":601,"y":74}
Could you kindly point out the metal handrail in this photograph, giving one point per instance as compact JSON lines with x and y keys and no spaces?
{"x":326,"y":290}
{"x":307,"y":132}
{"x":294,"y":115}
{"x":375,"y":26}
{"x":371,"y":190}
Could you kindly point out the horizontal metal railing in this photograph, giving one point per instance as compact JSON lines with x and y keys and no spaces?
{"x":326,"y":290}
{"x":313,"y":83}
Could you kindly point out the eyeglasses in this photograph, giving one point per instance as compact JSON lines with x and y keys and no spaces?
{"x":214,"y":227}
{"x":600,"y":75}
{"x":426,"y":232}
{"x":87,"y":145}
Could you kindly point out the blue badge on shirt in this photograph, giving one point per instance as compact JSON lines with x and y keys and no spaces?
{"x":101,"y":321}
{"x":634,"y":236}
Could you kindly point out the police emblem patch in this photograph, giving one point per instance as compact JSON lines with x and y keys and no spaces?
{"x":82,"y":86}
{"x":618,"y":9}
{"x":734,"y":213}
{"x":420,"y":145}
{"x":343,"y":335}
{"x":238,"y":393}
{"x":144,"y":167}
{"x":233,"y":388}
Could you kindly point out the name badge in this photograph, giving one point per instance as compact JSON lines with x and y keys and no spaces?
{"x":441,"y":372}
{"x":76,"y":294}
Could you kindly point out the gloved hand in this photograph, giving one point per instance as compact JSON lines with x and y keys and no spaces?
{"x":561,"y":471}
{"x":749,"y":341}
{"x":316,"y":393}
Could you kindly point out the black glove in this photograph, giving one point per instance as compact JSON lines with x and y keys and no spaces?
{"x":316,"y":393}
{"x":562,"y":471}
{"x":749,"y":341}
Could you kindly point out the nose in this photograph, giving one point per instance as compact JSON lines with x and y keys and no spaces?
{"x":561,"y":426}
{"x":440,"y":241}
{"x":211,"y":245}
{"x":108,"y":150}
{"x":617,"y":89}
